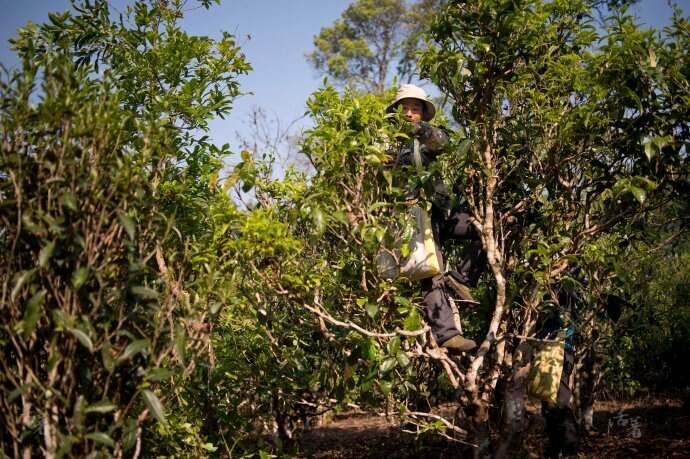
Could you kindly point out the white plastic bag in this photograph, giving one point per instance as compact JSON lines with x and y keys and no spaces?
{"x":423,"y":260}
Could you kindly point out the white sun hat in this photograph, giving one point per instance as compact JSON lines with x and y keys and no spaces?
{"x":410,"y":91}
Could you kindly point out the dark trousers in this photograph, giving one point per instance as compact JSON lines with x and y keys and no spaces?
{"x":451,"y":225}
{"x":561,"y":427}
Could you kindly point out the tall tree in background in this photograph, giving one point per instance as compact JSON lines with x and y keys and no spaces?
{"x":370,"y":41}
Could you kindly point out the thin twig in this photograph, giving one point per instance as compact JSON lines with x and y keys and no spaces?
{"x":530,"y":338}
{"x":445,"y":422}
{"x":353,"y":326}
{"x":140,"y":420}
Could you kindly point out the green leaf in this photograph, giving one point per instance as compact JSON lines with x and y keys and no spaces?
{"x":145,"y":292}
{"x":413,"y":321}
{"x":372,"y":159}
{"x":103,"y":406}
{"x":180,"y":344}
{"x":388,"y":364}
{"x":33,"y":312}
{"x":650,"y":149}
{"x":158,"y":374}
{"x":78,"y":412}
{"x":107,"y":357}
{"x":45,"y":254}
{"x":69,"y":200}
{"x":401,"y":300}
{"x":405,"y":250}
{"x":154,"y":404}
{"x":403,"y":359}
{"x":80,"y":277}
{"x":368,"y":350}
{"x":18,"y":392}
{"x":102,"y":438}
{"x":386,"y":387}
{"x":394,"y":345}
{"x":645,"y":183}
{"x":372,"y":310}
{"x":82,"y":337}
{"x":662,"y":142}
{"x":209,"y":447}
{"x":21,"y":278}
{"x":31,"y":226}
{"x":639,"y":194}
{"x":380,"y":234}
{"x":129,"y":434}
{"x":214,"y":307}
{"x":59,"y":318}
{"x":132,"y":349}
{"x":128,"y":224}
{"x":319,"y":220}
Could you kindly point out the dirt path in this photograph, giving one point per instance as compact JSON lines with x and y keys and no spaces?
{"x":651,"y":428}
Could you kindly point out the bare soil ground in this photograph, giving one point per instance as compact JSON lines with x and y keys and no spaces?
{"x":648,"y":428}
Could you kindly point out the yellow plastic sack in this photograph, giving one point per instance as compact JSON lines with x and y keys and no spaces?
{"x":545,"y":375}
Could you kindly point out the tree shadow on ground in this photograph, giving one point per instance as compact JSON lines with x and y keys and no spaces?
{"x":649,"y":428}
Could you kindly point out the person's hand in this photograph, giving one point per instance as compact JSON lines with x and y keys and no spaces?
{"x":420,"y":129}
{"x":416,"y":128}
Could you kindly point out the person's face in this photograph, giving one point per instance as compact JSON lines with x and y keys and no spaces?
{"x":412,"y":109}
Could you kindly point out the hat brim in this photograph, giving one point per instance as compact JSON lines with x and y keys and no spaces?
{"x":429,"y":109}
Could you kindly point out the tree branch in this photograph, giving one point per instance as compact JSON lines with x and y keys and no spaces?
{"x":353,"y":326}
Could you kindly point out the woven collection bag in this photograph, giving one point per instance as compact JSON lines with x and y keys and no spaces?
{"x":547,"y":367}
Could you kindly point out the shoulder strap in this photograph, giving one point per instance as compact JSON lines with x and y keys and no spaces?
{"x":417,"y":156}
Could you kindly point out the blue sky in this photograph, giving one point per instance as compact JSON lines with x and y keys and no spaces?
{"x":274,"y":34}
